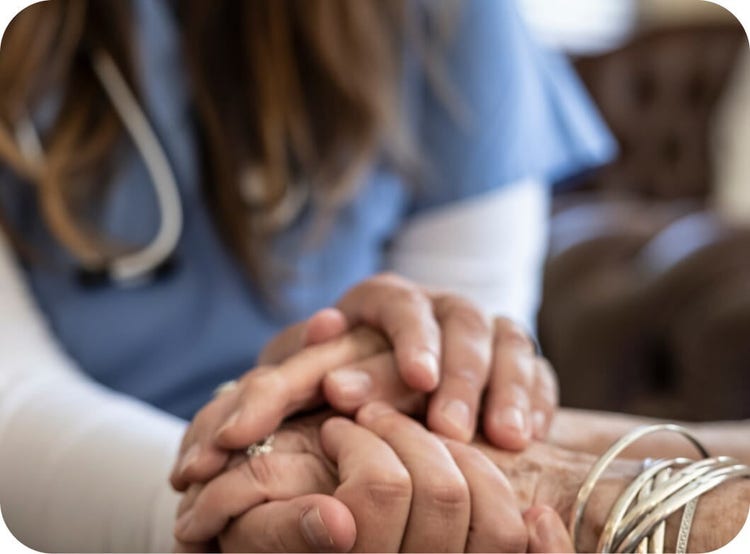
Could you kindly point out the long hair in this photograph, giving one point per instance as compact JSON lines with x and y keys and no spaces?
{"x":294,"y":100}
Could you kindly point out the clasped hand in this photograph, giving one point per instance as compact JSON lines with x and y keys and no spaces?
{"x":389,"y":483}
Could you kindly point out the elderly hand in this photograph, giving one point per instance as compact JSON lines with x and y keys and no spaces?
{"x":390,"y":485}
{"x":441,"y":343}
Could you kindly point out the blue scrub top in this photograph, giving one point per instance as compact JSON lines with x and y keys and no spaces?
{"x":170,"y":342}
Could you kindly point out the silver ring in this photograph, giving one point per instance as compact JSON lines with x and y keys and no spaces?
{"x":261,"y":447}
{"x":226,"y":386}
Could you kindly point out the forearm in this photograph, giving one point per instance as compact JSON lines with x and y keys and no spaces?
{"x":546,"y":474}
{"x":81,"y":468}
{"x":85,"y":470}
{"x":594,"y":432}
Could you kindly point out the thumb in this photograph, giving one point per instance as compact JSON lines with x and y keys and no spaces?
{"x":312,"y":523}
{"x":547,"y":532}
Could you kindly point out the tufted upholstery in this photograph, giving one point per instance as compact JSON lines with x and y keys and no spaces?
{"x":658,"y":94}
{"x":646,"y":304}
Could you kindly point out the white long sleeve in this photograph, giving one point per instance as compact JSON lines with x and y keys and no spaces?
{"x":81,"y":468}
{"x":490,"y":249}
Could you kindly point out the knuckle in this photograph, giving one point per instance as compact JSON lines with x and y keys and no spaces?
{"x":406,"y":295}
{"x":474,"y":377}
{"x":448,"y":494}
{"x":508,"y":332}
{"x":468,"y":316}
{"x":384,"y":487}
{"x":516,"y":395}
{"x":520,"y":368}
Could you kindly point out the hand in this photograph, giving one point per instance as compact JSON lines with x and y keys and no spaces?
{"x":444,"y":343}
{"x":266,"y":394}
{"x":392,"y":475}
{"x":476,"y":356}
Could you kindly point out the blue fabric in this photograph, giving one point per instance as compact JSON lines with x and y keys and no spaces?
{"x":172,"y":341}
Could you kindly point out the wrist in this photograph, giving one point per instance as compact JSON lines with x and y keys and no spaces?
{"x":549,"y":475}
{"x":719,"y":516}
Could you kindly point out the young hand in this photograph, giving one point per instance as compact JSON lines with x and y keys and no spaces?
{"x":477,"y":357}
{"x":382,"y":484}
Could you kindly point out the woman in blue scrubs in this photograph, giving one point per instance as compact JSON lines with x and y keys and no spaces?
{"x":267,"y":160}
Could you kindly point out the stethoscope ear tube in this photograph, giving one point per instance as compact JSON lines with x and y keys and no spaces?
{"x":137,"y":265}
{"x":141,"y":265}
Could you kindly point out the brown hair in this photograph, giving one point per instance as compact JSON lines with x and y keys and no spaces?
{"x":290,"y":96}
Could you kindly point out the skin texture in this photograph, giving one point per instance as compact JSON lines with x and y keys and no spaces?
{"x":303,"y":367}
{"x":386,"y":472}
{"x":414,"y":341}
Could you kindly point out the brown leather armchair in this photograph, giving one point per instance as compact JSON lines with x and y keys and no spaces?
{"x":646,"y":304}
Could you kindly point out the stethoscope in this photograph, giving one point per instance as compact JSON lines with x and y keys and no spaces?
{"x":143,"y":264}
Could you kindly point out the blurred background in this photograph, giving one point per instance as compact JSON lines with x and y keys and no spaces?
{"x":646,"y":303}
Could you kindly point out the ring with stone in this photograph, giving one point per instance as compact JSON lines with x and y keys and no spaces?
{"x":261,"y":447}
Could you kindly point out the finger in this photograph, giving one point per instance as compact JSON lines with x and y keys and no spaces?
{"x":441,"y":504}
{"x":262,"y":399}
{"x":188,"y":498}
{"x":375,"y":485}
{"x":547,"y":532}
{"x":544,"y":399}
{"x":347,"y":389}
{"x":266,"y":399}
{"x":496,"y":523}
{"x":198,"y":455}
{"x":186,"y":502}
{"x":274,"y":476}
{"x":312,"y":523}
{"x":466,"y":353}
{"x":507,"y":419}
{"x":404,"y":313}
{"x":322,"y":326}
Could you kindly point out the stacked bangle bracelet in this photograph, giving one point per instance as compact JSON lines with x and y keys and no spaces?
{"x":636,"y":521}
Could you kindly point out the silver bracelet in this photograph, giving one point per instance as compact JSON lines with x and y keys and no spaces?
{"x":680,"y":499}
{"x":584,"y":493}
{"x":637,"y":520}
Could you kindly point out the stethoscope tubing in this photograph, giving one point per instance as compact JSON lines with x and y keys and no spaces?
{"x":142,"y":264}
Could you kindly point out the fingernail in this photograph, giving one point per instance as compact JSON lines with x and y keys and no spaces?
{"x":183,"y":524}
{"x":314,"y":530}
{"x":428,"y":361}
{"x":231,"y":422}
{"x":351,"y":383}
{"x":190,"y":457}
{"x":373,"y":411}
{"x":512,"y":418}
{"x":545,"y":528}
{"x":457,"y":412}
